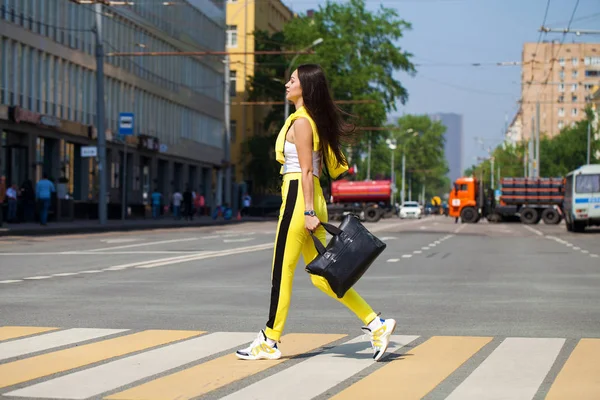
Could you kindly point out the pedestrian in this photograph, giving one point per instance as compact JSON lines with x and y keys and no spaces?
{"x":43,"y":193}
{"x":156,"y":201}
{"x":310,"y":139}
{"x":11,"y":196}
{"x":188,"y":203}
{"x":246,"y":202}
{"x":176,"y":199}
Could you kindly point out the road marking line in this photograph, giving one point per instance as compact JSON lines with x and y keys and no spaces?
{"x":13,"y":332}
{"x":407,"y":255}
{"x":578,"y":379}
{"x":425,"y":248}
{"x":594,"y":255}
{"x":340,"y":362}
{"x":92,"y":271}
{"x":36,"y":367}
{"x":585,"y":251}
{"x":207,"y":377}
{"x":393,"y":260}
{"x":460,"y":228}
{"x":514,"y":370}
{"x":12,"y":281}
{"x":388,"y":238}
{"x":240,"y":250}
{"x":66,"y":274}
{"x":38,"y":277}
{"x":237,"y":240}
{"x":576,"y":248}
{"x":120,"y":240}
{"x":52,"y":340}
{"x":97,"y":380}
{"x":145,"y":244}
{"x":417,"y":251}
{"x":424,"y":367}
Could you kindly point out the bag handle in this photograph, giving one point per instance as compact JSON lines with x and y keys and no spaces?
{"x":334,"y":230}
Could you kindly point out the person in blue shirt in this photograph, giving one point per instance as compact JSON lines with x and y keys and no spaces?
{"x":43,"y":193}
{"x":156,"y":201}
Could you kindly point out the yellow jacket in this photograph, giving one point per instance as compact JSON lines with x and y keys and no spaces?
{"x":333,"y":168}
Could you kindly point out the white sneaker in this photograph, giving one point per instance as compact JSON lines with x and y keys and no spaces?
{"x":380,"y":337}
{"x":259,"y":350}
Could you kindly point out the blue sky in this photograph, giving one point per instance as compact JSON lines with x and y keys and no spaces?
{"x":468,"y":31}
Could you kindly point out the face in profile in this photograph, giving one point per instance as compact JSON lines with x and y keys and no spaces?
{"x":293,"y":90}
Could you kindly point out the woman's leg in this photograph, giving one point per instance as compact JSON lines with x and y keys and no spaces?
{"x":291,"y":235}
{"x":351,"y":299}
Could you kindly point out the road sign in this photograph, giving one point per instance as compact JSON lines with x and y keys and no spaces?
{"x":89,"y":151}
{"x":126,"y":124}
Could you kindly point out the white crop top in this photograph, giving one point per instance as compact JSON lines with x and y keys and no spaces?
{"x":292,"y":163}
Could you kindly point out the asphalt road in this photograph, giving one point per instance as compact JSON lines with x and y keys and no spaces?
{"x":484,"y":311}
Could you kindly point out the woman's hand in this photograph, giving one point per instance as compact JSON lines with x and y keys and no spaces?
{"x":311,"y":223}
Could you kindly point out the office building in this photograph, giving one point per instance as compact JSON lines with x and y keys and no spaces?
{"x":453,"y":138}
{"x":48,"y":98}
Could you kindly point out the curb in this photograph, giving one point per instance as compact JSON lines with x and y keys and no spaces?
{"x":68,"y":230}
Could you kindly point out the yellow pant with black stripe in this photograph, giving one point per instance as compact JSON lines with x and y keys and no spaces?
{"x":292,"y":240}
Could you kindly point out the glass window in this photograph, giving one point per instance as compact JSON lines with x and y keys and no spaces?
{"x":587,"y":183}
{"x":232,"y":36}
{"x":561,"y":112}
{"x":574,"y":112}
{"x":575,"y":61}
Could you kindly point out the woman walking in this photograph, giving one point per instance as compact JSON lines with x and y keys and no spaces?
{"x":310,"y":138}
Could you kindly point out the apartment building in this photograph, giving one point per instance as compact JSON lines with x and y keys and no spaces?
{"x":560,"y":78}
{"x":244,"y":17}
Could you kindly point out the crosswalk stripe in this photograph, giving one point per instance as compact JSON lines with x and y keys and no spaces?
{"x":196,"y":381}
{"x":316,"y":375}
{"x":424,"y":367}
{"x":514,"y":370}
{"x":47,"y":364}
{"x":580,"y":376}
{"x":97,"y":380}
{"x":52,"y":340}
{"x":13,"y":332}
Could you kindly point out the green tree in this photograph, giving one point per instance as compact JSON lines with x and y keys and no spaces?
{"x":423,"y":140}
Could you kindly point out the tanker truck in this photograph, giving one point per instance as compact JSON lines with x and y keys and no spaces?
{"x":370,"y":200}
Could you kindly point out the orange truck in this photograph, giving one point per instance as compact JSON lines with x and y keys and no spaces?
{"x":529,"y":199}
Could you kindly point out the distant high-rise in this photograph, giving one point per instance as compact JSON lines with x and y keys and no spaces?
{"x":453,"y":146}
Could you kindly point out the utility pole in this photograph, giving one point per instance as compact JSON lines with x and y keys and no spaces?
{"x":369,"y":159}
{"x":492,"y":170}
{"x":227,"y":148}
{"x":531,"y":156}
{"x":100,"y":114}
{"x":589,"y":141}
{"x":537,"y":140}
{"x":403,"y":190}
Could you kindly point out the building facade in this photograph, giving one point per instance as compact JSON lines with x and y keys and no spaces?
{"x":453,"y":142}
{"x":244,"y":17}
{"x":48,"y":98}
{"x":560,"y":78}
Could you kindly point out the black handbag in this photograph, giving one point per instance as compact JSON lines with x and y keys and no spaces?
{"x":348,"y":255}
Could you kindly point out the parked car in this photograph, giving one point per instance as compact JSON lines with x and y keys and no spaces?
{"x":410,"y":209}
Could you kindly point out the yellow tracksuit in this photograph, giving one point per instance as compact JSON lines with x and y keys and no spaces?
{"x":293,"y":239}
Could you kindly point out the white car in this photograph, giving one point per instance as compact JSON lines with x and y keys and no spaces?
{"x":410,"y":209}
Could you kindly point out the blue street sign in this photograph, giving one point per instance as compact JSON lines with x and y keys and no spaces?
{"x":126,"y":124}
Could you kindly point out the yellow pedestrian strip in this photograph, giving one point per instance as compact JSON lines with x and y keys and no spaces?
{"x":214,"y":374}
{"x":31,"y":368}
{"x":580,"y":376}
{"x":12,"y":332}
{"x":418,"y":371}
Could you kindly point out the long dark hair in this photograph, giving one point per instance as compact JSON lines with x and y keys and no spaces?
{"x":333,"y":130}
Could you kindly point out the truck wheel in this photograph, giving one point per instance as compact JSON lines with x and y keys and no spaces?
{"x":372,"y":214}
{"x":469,"y":215}
{"x":529,"y":216}
{"x":578,"y":226}
{"x":550,"y":216}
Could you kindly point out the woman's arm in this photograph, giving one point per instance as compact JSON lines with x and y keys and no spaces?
{"x":303,"y":139}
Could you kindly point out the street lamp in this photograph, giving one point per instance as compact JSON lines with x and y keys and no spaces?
{"x":287,"y":71}
{"x":392,"y":144}
{"x":412,"y":133}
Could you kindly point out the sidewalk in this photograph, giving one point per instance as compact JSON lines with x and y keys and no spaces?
{"x":93,"y":226}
